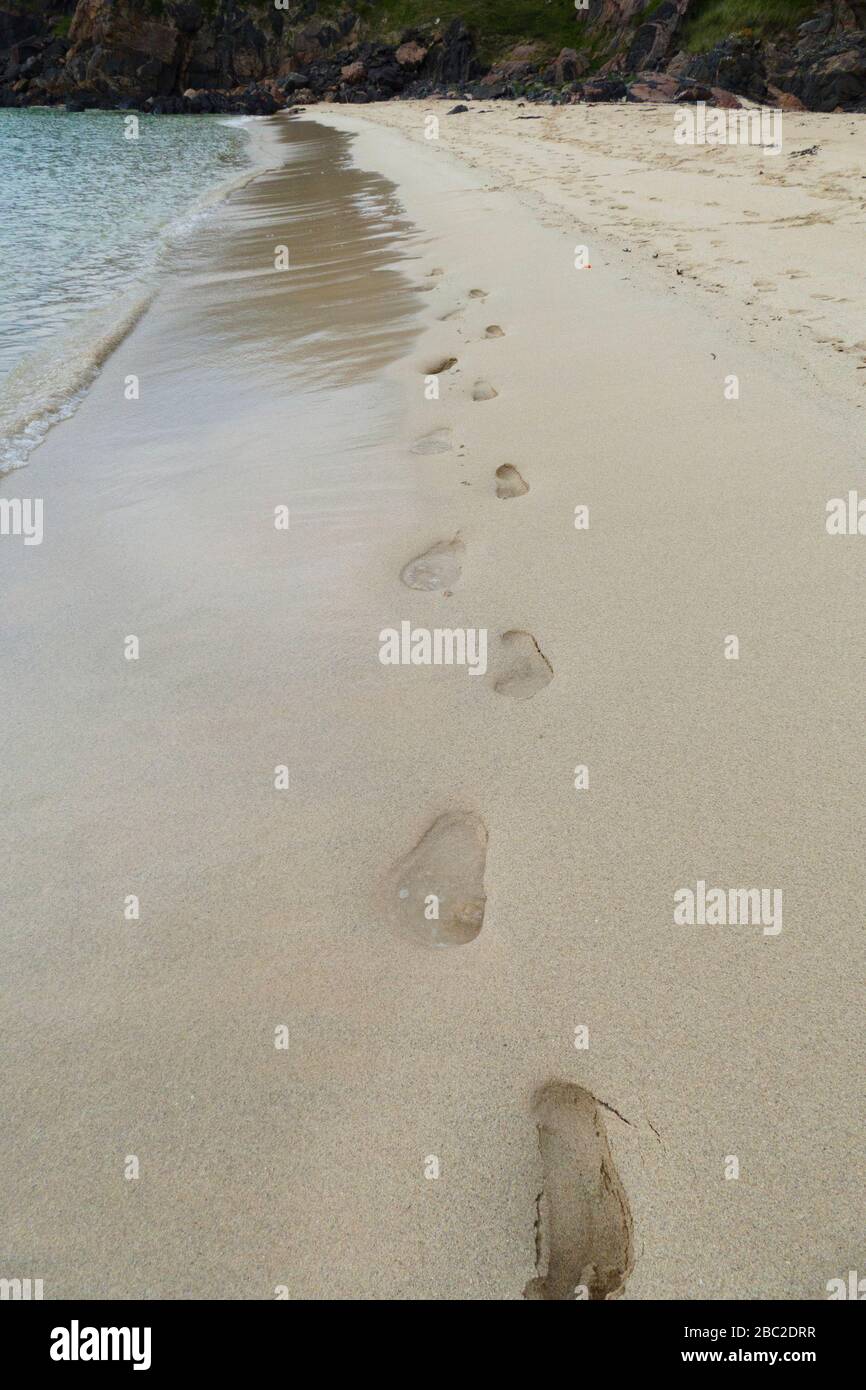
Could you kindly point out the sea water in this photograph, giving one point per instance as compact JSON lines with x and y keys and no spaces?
{"x":88,"y":204}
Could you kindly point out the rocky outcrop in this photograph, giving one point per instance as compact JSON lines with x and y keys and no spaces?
{"x":737,"y":65}
{"x":655,"y":40}
{"x":451,"y":58}
{"x":825,"y":72}
{"x":247,"y":55}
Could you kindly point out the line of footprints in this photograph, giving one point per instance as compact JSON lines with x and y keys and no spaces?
{"x":583,"y":1226}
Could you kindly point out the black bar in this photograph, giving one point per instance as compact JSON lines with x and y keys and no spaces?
{"x":221,"y":1338}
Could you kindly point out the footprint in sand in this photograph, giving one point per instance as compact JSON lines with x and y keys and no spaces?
{"x":483,"y":391}
{"x":494,"y":331}
{"x":509,"y":482}
{"x":583,"y":1241}
{"x":436,"y":442}
{"x":523,"y":667}
{"x":444,"y":365}
{"x":477,"y":294}
{"x":438,"y":568}
{"x":439,"y":886}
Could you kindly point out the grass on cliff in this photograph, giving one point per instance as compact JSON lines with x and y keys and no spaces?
{"x":711,"y":21}
{"x":496,"y":24}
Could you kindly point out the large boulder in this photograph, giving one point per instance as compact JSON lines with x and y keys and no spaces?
{"x":654,"y":86}
{"x":603,"y":89}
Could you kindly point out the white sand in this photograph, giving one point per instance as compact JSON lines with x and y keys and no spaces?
{"x":305,"y":1168}
{"x":773,"y":242}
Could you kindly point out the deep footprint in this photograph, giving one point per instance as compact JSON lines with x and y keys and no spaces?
{"x":525,"y":668}
{"x":436,"y":442}
{"x":509,"y":483}
{"x":439,"y":886}
{"x":439,"y":367}
{"x":483,"y":391}
{"x":438,"y":568}
{"x":494,"y":331}
{"x":477,"y":294}
{"x":583,"y":1245}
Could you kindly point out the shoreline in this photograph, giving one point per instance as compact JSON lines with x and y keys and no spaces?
{"x":48,"y":385}
{"x":305,"y":1167}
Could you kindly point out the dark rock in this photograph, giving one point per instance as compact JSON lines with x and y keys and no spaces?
{"x":786,"y":101}
{"x":494,"y":92}
{"x":827,"y":75}
{"x":259,"y":102}
{"x":510,"y":73}
{"x":737,"y":65}
{"x":410,"y":55}
{"x":233,"y":55}
{"x":821,"y":25}
{"x":452,"y":58}
{"x":720,"y":97}
{"x":188,"y":18}
{"x":653,"y":43}
{"x":293,"y":82}
{"x":317,"y":39}
{"x":353,"y":73}
{"x":604,"y":89}
{"x":654,"y":86}
{"x":456,"y":110}
{"x":694,"y":91}
{"x":567,"y":67}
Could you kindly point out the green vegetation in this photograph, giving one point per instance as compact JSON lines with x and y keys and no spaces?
{"x":496,"y":24}
{"x":711,"y":21}
{"x":60,"y":28}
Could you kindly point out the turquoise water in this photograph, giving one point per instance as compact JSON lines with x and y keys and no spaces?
{"x":85,"y":216}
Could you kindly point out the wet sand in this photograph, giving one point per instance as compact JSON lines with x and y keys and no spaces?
{"x":309,"y":1168}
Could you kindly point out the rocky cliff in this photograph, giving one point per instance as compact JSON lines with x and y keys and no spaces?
{"x":223,"y":55}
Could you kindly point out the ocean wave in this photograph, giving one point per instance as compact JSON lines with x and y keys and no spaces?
{"x":49,"y":385}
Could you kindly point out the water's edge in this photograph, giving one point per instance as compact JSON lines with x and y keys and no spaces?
{"x":51,"y":380}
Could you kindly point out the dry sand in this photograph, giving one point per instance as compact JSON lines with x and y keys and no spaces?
{"x":772,"y":241}
{"x":310,"y":1168}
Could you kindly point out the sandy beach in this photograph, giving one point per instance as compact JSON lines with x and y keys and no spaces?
{"x":329,"y":1092}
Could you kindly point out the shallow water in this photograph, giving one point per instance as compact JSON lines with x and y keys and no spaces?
{"x":85,"y":216}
